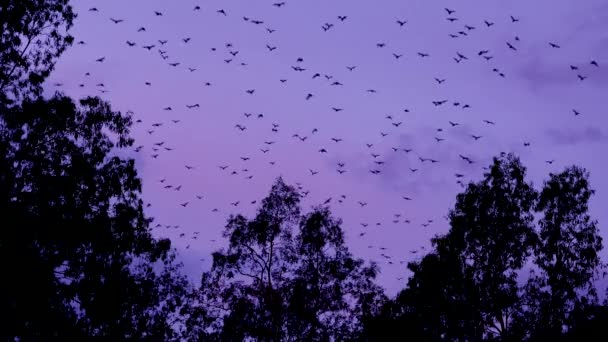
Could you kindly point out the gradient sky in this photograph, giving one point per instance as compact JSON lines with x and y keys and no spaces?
{"x":533,"y":103}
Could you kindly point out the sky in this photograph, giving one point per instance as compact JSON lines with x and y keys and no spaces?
{"x":529,"y":94}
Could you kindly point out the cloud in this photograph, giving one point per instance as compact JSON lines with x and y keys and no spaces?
{"x":540,"y":73}
{"x":584,"y":38}
{"x":573,"y":137}
{"x":438,"y":177}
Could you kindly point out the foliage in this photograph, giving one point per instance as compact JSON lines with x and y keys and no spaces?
{"x":568,"y":253}
{"x":440,"y":302}
{"x":467,"y":289}
{"x":34,"y":33}
{"x":492,"y":232}
{"x":74,"y":225}
{"x":287,"y":276}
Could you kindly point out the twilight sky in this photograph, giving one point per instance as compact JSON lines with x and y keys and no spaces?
{"x":228,"y":55}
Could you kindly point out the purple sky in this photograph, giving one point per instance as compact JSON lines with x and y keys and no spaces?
{"x":533,"y":103}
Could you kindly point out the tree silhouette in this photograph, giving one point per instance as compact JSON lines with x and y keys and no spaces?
{"x":467,"y":288}
{"x":75,"y":248}
{"x":492,"y":231}
{"x":567,"y":255}
{"x":438,"y":303}
{"x":587,"y":324}
{"x":34,"y":33}
{"x":286,"y":276}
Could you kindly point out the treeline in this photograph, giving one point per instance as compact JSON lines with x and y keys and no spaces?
{"x":470,"y":287}
{"x":79,"y":261}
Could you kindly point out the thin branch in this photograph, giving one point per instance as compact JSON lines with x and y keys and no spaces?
{"x":496,"y":330}
{"x":270,"y":264}
{"x":30,"y":38}
{"x":10,"y":74}
{"x":261,"y":261}
{"x":238,"y":269}
{"x":494,"y":326}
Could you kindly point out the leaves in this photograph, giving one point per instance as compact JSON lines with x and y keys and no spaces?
{"x":492,"y":232}
{"x":568,"y":251}
{"x":285,"y":276}
{"x":468,"y":289}
{"x":73,"y":217}
{"x":34,"y":34}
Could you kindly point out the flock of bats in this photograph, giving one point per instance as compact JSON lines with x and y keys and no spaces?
{"x":231,"y":55}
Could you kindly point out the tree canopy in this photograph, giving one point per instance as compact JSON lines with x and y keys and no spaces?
{"x":75,"y":245}
{"x":566,"y":255}
{"x":287,"y":276}
{"x":34,"y":34}
{"x":469,"y":287}
{"x":73,"y":219}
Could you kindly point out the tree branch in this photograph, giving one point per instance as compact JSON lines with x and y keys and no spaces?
{"x":238,"y":269}
{"x":30,"y":38}
{"x":261,"y":261}
{"x":10,"y":74}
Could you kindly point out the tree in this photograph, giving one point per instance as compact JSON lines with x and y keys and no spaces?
{"x":588,"y":324}
{"x":466,"y":289}
{"x":567,"y":255}
{"x":76,"y":249}
{"x":34,"y":33}
{"x":286,"y":277}
{"x":492,"y":231}
{"x":440,"y":303}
